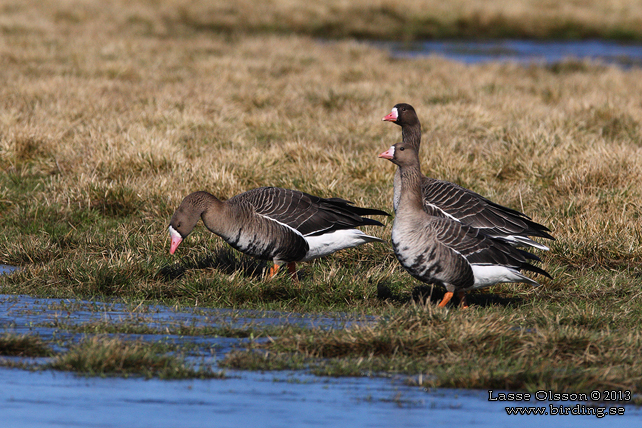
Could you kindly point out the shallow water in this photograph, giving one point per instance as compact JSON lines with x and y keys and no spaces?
{"x":51,"y":399}
{"x":46,"y":399}
{"x":7,"y":269}
{"x":525,"y":51}
{"x":42,"y":316}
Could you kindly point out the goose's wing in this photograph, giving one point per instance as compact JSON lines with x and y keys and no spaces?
{"x":308,"y":214}
{"x":480,"y":249}
{"x":474,"y":210}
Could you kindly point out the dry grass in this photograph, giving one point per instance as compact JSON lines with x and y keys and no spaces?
{"x":126,"y":126}
{"x":382,"y":19}
{"x":101,"y":137}
{"x":416,"y":19}
{"x":110,"y":114}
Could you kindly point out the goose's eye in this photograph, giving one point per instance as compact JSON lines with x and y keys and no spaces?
{"x":403,"y":109}
{"x":402,"y":148}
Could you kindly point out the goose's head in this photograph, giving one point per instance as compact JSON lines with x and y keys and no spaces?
{"x":402,"y":114}
{"x":186,"y":217}
{"x":401,"y":154}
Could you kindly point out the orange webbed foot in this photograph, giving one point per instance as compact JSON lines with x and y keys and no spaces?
{"x":446,"y":299}
{"x":273,"y":270}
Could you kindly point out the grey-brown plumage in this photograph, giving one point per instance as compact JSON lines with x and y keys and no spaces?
{"x":276,"y":224}
{"x":308,"y":214}
{"x":439,"y":250}
{"x":450,"y":200}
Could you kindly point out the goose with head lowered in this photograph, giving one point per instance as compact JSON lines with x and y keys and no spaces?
{"x":271,"y":223}
{"x":460,"y":204}
{"x":439,"y":250}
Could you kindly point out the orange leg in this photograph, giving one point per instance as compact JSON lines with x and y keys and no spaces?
{"x":273,"y":270}
{"x":446,"y":299}
{"x":292,"y":270}
{"x":462,"y":299}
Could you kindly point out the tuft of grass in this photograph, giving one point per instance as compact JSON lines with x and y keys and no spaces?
{"x":102,"y":356}
{"x":264,"y":361}
{"x":253,"y":330}
{"x":22,"y":345}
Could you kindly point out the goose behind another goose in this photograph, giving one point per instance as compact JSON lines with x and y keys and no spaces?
{"x":460,"y":204}
{"x":271,"y":223}
{"x":439,"y":250}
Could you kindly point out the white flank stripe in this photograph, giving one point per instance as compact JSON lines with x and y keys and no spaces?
{"x":444,"y":212}
{"x":282,"y":224}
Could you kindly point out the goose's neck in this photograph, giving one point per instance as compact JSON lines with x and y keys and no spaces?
{"x":215,"y":216}
{"x":411,"y":134}
{"x":410,"y":198}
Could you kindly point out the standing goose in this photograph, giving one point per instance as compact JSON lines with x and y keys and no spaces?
{"x":271,"y":223}
{"x":440,"y":250}
{"x":460,"y":204}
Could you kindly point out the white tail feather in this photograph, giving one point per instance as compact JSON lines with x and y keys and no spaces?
{"x":328,"y":243}
{"x":486,"y":276}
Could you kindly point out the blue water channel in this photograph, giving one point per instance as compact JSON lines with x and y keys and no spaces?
{"x":47,"y":399}
{"x":524,"y":51}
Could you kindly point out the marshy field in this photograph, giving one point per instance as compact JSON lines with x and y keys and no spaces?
{"x":111,"y":112}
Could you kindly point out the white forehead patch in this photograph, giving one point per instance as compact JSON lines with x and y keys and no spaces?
{"x":174,"y":234}
{"x":392,"y":151}
{"x":395,"y":113}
